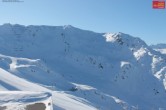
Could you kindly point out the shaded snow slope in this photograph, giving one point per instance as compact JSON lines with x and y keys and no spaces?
{"x":98,"y":70}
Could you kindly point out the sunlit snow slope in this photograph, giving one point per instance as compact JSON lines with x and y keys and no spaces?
{"x":83,"y":70}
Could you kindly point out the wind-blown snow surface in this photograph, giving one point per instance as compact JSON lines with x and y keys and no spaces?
{"x":82,"y":69}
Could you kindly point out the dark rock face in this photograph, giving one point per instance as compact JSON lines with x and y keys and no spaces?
{"x":36,"y":106}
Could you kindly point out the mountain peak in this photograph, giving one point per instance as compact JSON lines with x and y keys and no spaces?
{"x":6,"y":25}
{"x":125,"y":39}
{"x":67,"y":26}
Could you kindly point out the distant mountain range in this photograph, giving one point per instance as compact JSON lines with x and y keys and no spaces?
{"x":158,"y":46}
{"x":83,"y":70}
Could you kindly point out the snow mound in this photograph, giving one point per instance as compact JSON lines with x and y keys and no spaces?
{"x":25,"y":100}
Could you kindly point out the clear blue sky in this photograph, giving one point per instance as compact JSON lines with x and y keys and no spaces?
{"x":135,"y":17}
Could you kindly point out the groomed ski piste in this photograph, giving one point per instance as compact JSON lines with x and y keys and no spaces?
{"x":80,"y":69}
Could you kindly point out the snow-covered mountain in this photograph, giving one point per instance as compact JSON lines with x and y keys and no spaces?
{"x":83,"y":70}
{"x":160,"y":47}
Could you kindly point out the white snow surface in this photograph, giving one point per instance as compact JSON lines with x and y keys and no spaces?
{"x":83,"y":70}
{"x":163,"y":51}
{"x":19,"y":100}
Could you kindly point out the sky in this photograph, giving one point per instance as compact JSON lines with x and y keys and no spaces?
{"x":134,"y":17}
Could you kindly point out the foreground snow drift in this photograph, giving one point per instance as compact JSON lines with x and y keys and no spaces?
{"x":19,"y":100}
{"x":61,"y":100}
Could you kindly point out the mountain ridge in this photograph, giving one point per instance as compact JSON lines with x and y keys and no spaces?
{"x":94,"y":66}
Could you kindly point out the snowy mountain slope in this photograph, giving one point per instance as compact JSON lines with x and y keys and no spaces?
{"x":159,"y":62}
{"x":159,"y":47}
{"x":111,"y":71}
{"x":61,"y":99}
{"x":163,"y":51}
{"x":21,"y":84}
{"x":31,"y":74}
{"x":35,"y":71}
